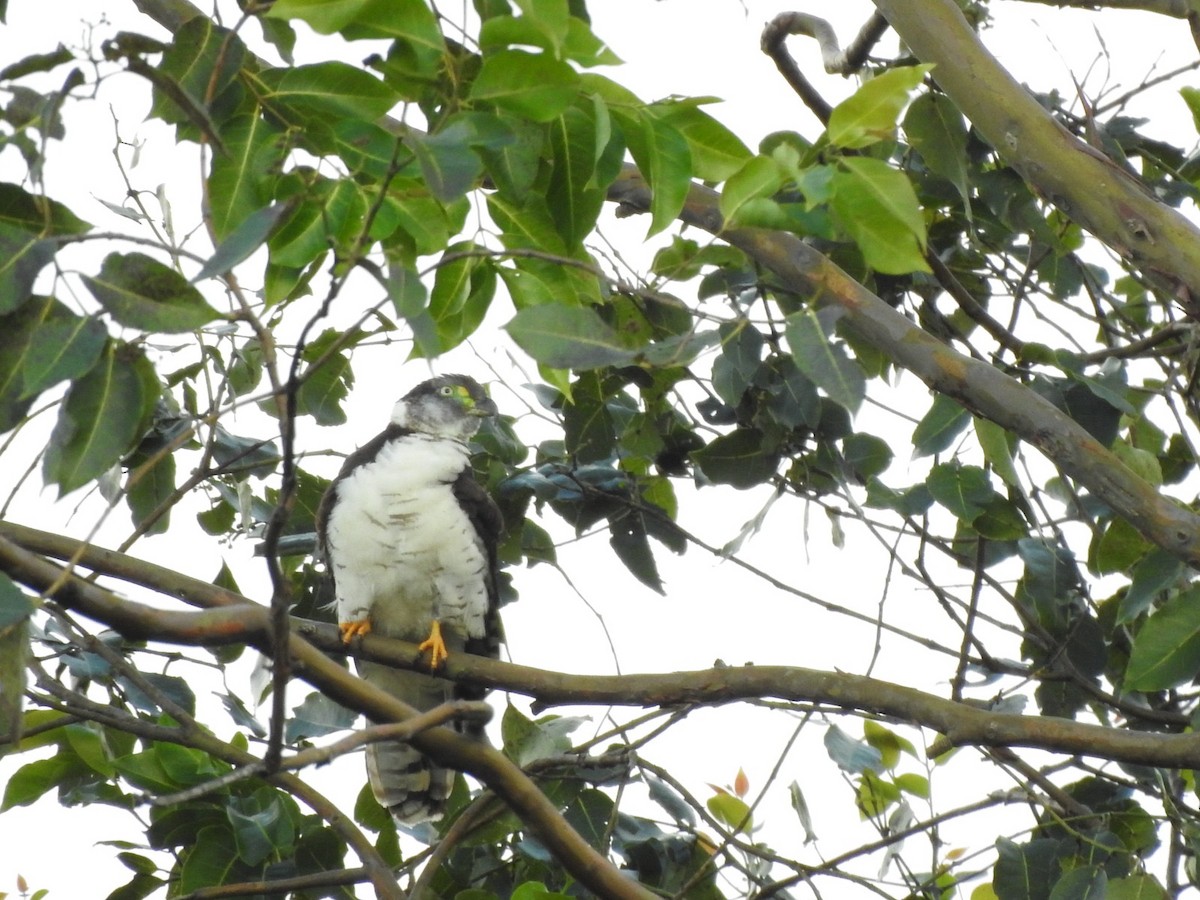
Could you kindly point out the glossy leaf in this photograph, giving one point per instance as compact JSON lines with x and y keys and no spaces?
{"x":60,"y":348}
{"x":875,"y":205}
{"x":869,"y":115}
{"x":36,"y":213}
{"x":567,"y":337}
{"x":573,"y":198}
{"x":532,"y":85}
{"x":824,"y":362}
{"x":939,"y":427}
{"x":106,"y":412}
{"x":1156,"y":572}
{"x":22,"y":256}
{"x":936,"y":129}
{"x":248,"y":237}
{"x":665,"y":161}
{"x":964,"y":490}
{"x":1166,"y":650}
{"x":738,"y":459}
{"x":140,"y":292}
{"x":329,"y":88}
{"x":759,"y":178}
{"x":732,"y":811}
{"x":239,"y":183}
{"x":716,"y":152}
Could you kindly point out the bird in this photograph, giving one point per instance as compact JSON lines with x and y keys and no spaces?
{"x":409,"y":539}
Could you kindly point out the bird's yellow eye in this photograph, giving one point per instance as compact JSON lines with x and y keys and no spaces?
{"x":446,"y":390}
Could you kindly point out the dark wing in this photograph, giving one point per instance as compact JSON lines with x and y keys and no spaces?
{"x":488,"y":523}
{"x":359,"y":457}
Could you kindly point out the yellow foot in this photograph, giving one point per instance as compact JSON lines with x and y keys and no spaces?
{"x":436,"y":647}
{"x":351,"y":630}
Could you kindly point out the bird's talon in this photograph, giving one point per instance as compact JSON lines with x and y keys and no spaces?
{"x":356,"y":628}
{"x":438,"y":653}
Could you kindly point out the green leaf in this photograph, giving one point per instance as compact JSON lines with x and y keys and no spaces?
{"x":106,"y":412}
{"x":1166,"y":650}
{"x":61,"y":348}
{"x":37,"y":213}
{"x":526,"y":740}
{"x":733,"y":811}
{"x":994,"y":441}
{"x":325,"y":386}
{"x":153,"y":486}
{"x":1191,"y":96}
{"x":1156,"y":572}
{"x":567,"y":337}
{"x":938,"y":428}
{"x":140,"y":292}
{"x":318,"y":715}
{"x":935,"y":127}
{"x":22,"y":256}
{"x":824,"y":362}
{"x":15,"y":610}
{"x":573,"y":199}
{"x":323,"y":16}
{"x":867,"y":455}
{"x":329,"y":88}
{"x":448,"y":161}
{"x":261,"y":827}
{"x":665,"y":162}
{"x":964,"y":490}
{"x":37,"y":62}
{"x":240,"y":180}
{"x":716,"y":151}
{"x":202,"y":60}
{"x":627,"y":536}
{"x":738,"y":459}
{"x":1025,"y":870}
{"x":212,"y":860}
{"x":30,"y":782}
{"x":870,"y":114}
{"x":1082,"y":883}
{"x":532,"y":85}
{"x":251,"y":234}
{"x":759,"y":178}
{"x":1135,"y":887}
{"x":1120,"y":546}
{"x":877,"y":207}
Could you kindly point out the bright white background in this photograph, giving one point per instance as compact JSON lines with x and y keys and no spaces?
{"x":713,"y":610}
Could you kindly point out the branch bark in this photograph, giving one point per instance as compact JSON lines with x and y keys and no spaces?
{"x":250,"y":623}
{"x":1080,"y":180}
{"x":246,"y":622}
{"x":978,"y":386}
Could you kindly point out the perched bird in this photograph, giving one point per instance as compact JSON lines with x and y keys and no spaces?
{"x":409,"y":538}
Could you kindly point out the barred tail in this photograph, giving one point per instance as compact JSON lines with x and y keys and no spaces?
{"x":406,"y":782}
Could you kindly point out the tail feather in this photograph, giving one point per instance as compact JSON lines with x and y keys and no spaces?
{"x":405,"y":781}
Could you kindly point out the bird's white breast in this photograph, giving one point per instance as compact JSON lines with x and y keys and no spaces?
{"x":402,"y":548}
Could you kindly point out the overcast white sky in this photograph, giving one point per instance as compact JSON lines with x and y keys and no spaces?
{"x":669,"y":49}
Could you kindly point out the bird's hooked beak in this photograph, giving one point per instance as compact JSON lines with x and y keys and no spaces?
{"x":484,"y":408}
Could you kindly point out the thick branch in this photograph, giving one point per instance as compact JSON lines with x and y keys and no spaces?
{"x":980,"y":387}
{"x":959,"y":723}
{"x":1080,"y":180}
{"x":1177,"y":9}
{"x":250,"y":623}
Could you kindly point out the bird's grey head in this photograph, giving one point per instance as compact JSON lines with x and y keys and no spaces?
{"x":451,"y":406}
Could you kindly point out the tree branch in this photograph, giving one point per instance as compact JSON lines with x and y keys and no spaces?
{"x":981,"y":388}
{"x":1081,"y":181}
{"x":958,"y":723}
{"x":250,"y":623}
